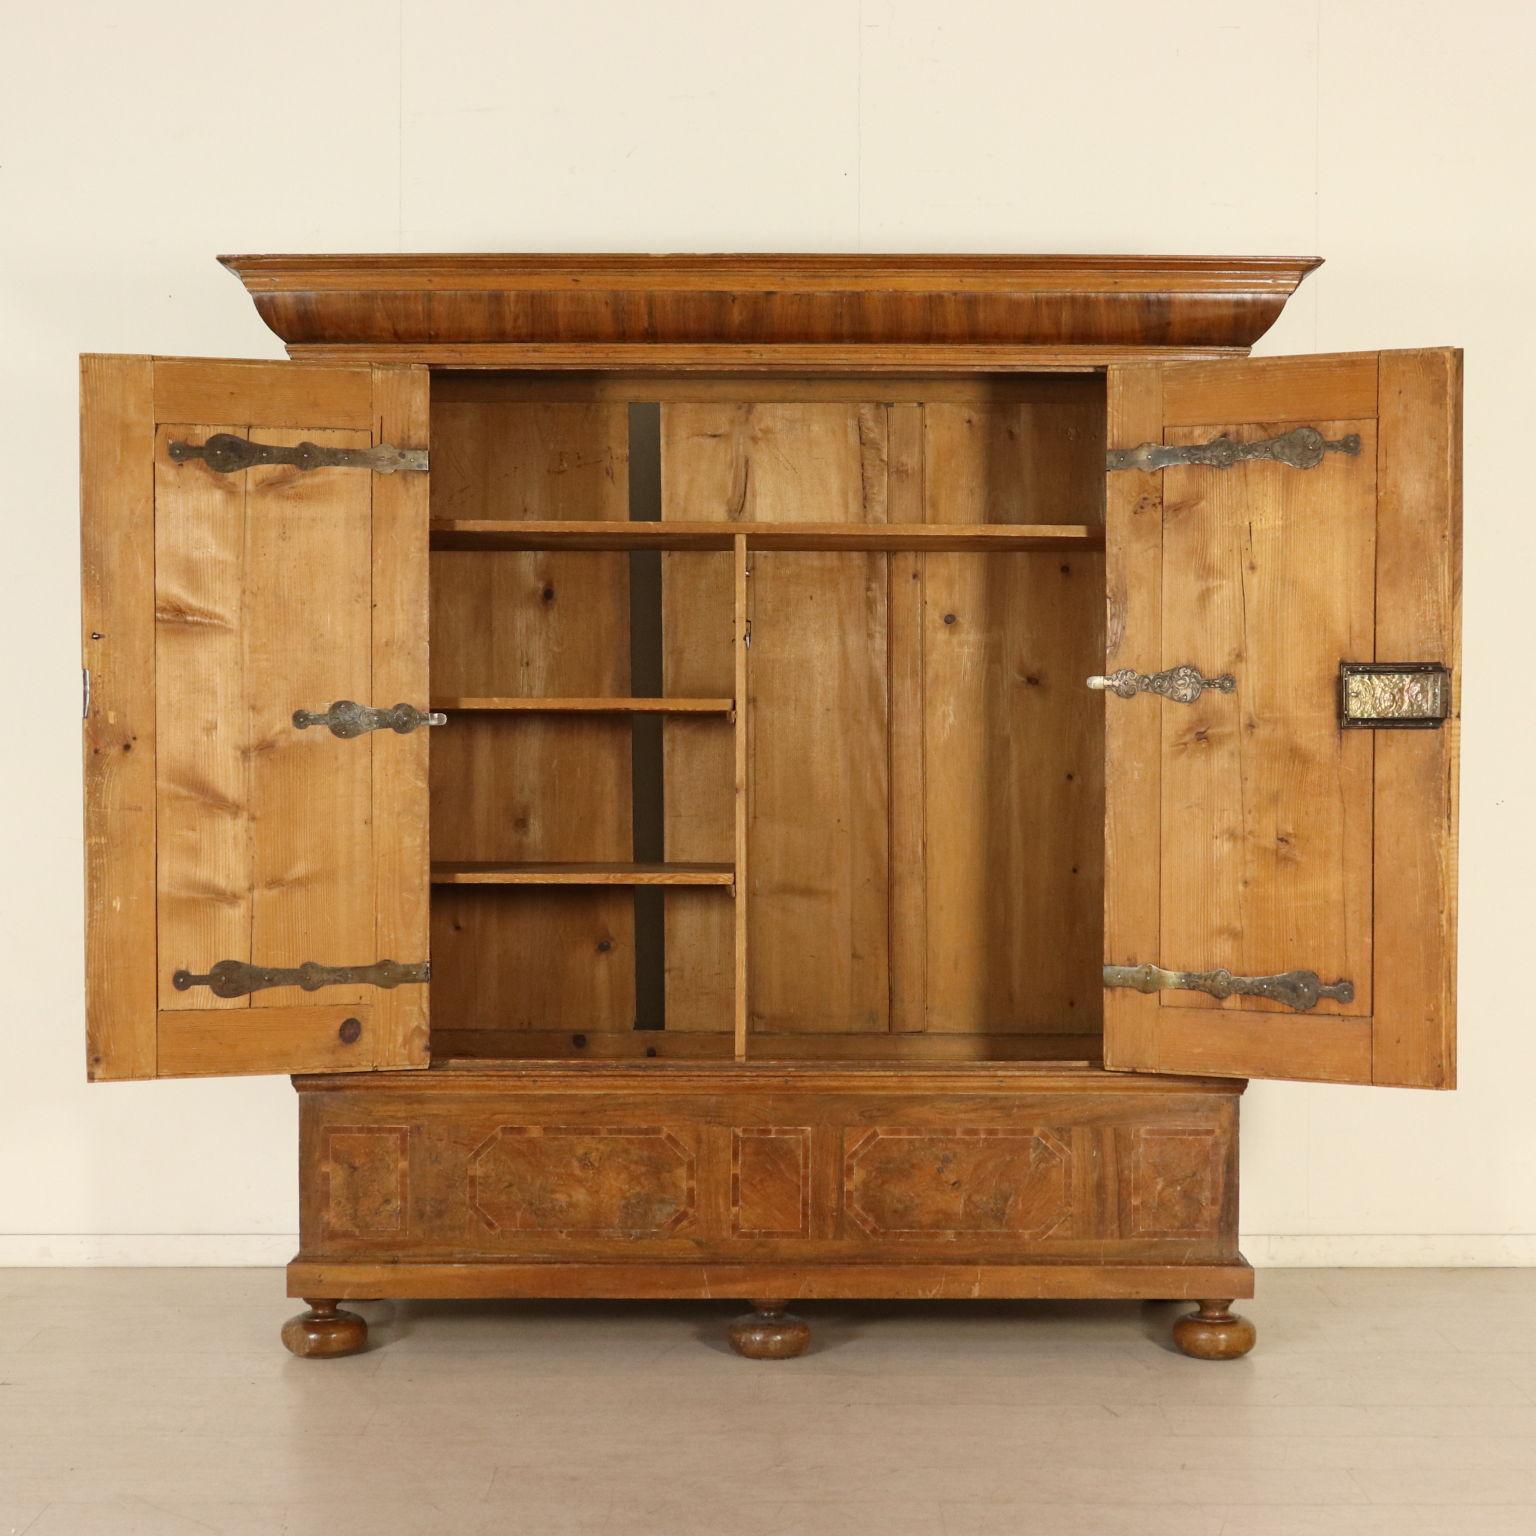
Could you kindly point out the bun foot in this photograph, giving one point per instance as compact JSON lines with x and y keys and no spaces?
{"x":324,"y":1332}
{"x":769,"y":1333}
{"x":1214,"y":1332}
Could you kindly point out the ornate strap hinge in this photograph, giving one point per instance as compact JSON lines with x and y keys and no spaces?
{"x":1301,"y":448}
{"x":1183,"y":684}
{"x":347,"y":718}
{"x":1300,"y":990}
{"x":225,"y":453}
{"x":234,"y":978}
{"x":1394,"y":695}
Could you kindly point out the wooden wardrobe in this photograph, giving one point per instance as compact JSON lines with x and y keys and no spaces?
{"x":778,"y":777}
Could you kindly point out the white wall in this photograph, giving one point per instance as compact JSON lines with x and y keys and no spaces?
{"x":138,"y":140}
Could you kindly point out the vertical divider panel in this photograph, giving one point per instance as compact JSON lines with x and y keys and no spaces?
{"x":741,"y":638}
{"x":906,"y":578}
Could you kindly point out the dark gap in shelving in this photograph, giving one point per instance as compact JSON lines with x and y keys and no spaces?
{"x":645,"y":682}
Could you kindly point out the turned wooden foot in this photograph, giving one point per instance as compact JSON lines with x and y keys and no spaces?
{"x":769,"y":1333}
{"x":324,"y":1332}
{"x":1214,"y":1332}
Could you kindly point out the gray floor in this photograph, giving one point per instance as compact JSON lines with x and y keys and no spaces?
{"x":142,"y":1402}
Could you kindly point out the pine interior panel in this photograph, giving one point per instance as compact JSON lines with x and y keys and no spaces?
{"x":1012,"y":744}
{"x":697,"y":774}
{"x":1269,"y":574}
{"x":265,"y":849}
{"x":541,"y":787}
{"x":817,"y":885}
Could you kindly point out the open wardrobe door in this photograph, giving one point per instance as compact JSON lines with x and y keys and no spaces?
{"x":254,"y":550}
{"x":1282,"y":691}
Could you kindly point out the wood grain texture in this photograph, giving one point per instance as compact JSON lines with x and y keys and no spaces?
{"x":483,"y":534}
{"x":698,"y":647}
{"x":767,"y":362}
{"x":906,"y":493}
{"x":117,"y":622}
{"x":1418,"y":618}
{"x":290,"y":1038}
{"x":306,"y":626}
{"x":1013,"y":776}
{"x":204,"y":875}
{"x":530,"y":460}
{"x":253,"y":597}
{"x":1133,"y":575}
{"x":673,"y":1044}
{"x":770,"y":299}
{"x":818,"y":940}
{"x":741,"y":641}
{"x":511,"y":624}
{"x":264,"y":394}
{"x":1170,"y":1281}
{"x":614,"y":706}
{"x":1268,"y":573}
{"x":619,"y":872}
{"x":794,"y":1167}
{"x":1285,"y":842}
{"x":401,"y":583}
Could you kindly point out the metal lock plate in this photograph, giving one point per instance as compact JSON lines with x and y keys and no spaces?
{"x":1394,"y":695}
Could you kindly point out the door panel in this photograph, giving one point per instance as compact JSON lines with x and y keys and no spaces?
{"x":1247,"y":831}
{"x":1268,"y":576}
{"x":215,"y":605}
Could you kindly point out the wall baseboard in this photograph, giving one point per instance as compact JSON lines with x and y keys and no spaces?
{"x":195,"y":1250}
{"x":1392,"y":1250}
{"x":149,"y":1250}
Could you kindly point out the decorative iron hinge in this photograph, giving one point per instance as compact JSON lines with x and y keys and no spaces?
{"x":1301,"y":448}
{"x":1183,"y":684}
{"x":1394,"y":695}
{"x":347,"y":718}
{"x":234,"y":978}
{"x":226,"y":453}
{"x":1300,"y":990}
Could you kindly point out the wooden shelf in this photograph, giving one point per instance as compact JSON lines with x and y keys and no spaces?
{"x":583,"y":874}
{"x":586,"y":706}
{"x":980,"y":537}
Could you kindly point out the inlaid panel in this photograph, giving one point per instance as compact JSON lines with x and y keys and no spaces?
{"x":771,"y":1181}
{"x":364,"y":1174}
{"x":710,"y":1163}
{"x":953,"y":1183}
{"x":597,"y":1181}
{"x":1176,"y":1180}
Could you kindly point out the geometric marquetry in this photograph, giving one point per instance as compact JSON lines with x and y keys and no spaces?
{"x":1176,"y":1180}
{"x":954,"y":1183}
{"x":595,"y":1181}
{"x":364,"y":1179}
{"x":771,"y":1181}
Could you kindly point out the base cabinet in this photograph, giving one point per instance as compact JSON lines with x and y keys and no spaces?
{"x":769,"y":1184}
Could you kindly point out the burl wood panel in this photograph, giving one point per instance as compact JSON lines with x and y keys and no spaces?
{"x":577,"y":1181}
{"x":742,"y":1163}
{"x":364,"y":1174}
{"x":958,"y":1182}
{"x":1176,"y":1180}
